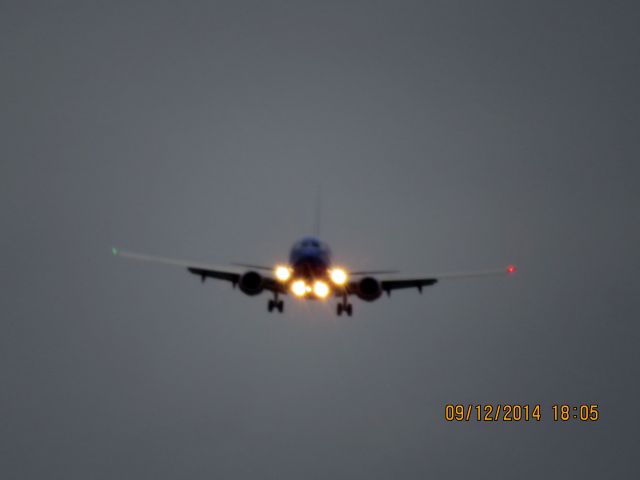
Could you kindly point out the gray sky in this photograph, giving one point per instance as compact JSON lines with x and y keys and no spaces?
{"x":446,"y":136}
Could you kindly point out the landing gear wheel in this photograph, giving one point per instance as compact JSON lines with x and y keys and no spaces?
{"x":349,"y":309}
{"x":339,"y":309}
{"x":271,"y":305}
{"x":280,"y":306}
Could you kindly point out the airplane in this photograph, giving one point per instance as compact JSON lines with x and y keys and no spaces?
{"x":310,"y":274}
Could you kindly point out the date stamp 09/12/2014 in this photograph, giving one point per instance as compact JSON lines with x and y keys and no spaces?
{"x":508,"y":412}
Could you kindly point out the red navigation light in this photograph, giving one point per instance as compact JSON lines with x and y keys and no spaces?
{"x":511,"y":269}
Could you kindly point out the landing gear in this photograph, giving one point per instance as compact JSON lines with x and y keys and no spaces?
{"x":345,"y":307}
{"x":275,"y":304}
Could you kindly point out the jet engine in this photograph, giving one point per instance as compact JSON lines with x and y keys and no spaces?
{"x":369,"y":289}
{"x":251,"y":283}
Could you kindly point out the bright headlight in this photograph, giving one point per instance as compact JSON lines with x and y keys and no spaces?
{"x":298,"y":288}
{"x":282,"y":273}
{"x":338,"y":276}
{"x":320,"y":289}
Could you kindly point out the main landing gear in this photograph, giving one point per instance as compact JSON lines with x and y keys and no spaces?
{"x":275,"y":304}
{"x":344,"y":306}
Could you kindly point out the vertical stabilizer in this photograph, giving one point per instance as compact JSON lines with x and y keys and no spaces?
{"x":318,"y":213}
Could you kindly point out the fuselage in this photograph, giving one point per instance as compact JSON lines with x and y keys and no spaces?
{"x":310,"y":258}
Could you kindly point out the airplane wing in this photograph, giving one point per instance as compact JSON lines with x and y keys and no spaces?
{"x":253,"y":266}
{"x":396,"y":282}
{"x":360,"y":273}
{"x":202,"y":270}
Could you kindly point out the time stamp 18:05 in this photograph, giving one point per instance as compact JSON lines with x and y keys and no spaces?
{"x":509,"y":412}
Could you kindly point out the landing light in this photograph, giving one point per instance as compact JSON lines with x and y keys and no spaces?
{"x":298,"y":288}
{"x":282,"y":273}
{"x":320,"y":289}
{"x":338,"y":276}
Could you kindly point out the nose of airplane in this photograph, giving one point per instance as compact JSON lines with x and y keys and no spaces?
{"x":308,"y":257}
{"x":308,"y":252}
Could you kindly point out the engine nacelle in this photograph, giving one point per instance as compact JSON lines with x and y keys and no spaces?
{"x":369,"y":289}
{"x":251,"y":283}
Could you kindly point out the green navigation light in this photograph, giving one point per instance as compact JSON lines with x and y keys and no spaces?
{"x":114,"y":250}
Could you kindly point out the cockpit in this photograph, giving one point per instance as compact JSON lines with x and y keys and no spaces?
{"x":307,"y":243}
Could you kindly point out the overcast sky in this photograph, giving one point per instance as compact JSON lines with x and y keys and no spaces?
{"x":446,"y":136}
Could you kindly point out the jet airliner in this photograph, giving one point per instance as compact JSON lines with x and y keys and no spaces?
{"x":310,"y":274}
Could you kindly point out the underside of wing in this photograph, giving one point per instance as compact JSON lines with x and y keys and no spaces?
{"x":250,"y":282}
{"x":371,"y":287}
{"x":419,"y":283}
